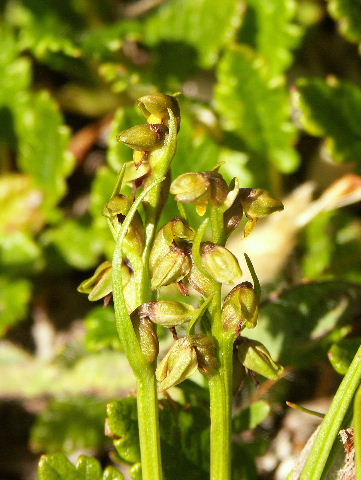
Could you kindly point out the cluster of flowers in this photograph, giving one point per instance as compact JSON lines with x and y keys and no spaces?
{"x":176,"y":257}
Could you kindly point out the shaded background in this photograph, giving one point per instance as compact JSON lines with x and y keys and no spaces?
{"x":271,"y":91}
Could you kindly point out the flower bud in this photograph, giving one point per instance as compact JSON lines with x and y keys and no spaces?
{"x":135,"y":172}
{"x":255,"y":356}
{"x":240,"y":308}
{"x":167,"y":313}
{"x":146,"y":333}
{"x":178,"y":365}
{"x":234,"y":214}
{"x":146,"y":137}
{"x":200,"y":188}
{"x":258,"y":203}
{"x":220,"y":263}
{"x":175,"y":233}
{"x":129,"y":288}
{"x":200,"y":282}
{"x":118,"y":205}
{"x":116,"y":210}
{"x":100,"y":284}
{"x":191,"y":188}
{"x":206,"y":349}
{"x":171,"y":268}
{"x":155,"y":107}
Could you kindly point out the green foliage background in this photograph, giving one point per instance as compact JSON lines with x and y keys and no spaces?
{"x":271,"y":91}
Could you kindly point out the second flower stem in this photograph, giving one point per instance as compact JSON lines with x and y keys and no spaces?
{"x":148,"y":424}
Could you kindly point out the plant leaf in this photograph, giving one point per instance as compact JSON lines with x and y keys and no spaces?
{"x":14,"y":301}
{"x":256,"y":110}
{"x":89,"y":468}
{"x":122,"y":420}
{"x":69,"y":426}
{"x":293,"y":326}
{"x":341,"y":353}
{"x":252,"y":416}
{"x":205,"y":25}
{"x":271,"y":30}
{"x":47,"y":161}
{"x":101,"y":332}
{"x":332,"y":109}
{"x":348,"y":15}
{"x":56,"y":467}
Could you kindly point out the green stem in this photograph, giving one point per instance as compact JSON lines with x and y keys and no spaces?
{"x":220,"y":384}
{"x":148,"y":424}
{"x":147,"y":400}
{"x":332,"y":422}
{"x":357,"y":426}
{"x":220,"y":389}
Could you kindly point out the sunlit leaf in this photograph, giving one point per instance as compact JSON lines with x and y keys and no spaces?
{"x":293,"y":326}
{"x":332,"y":109}
{"x":123,"y":427}
{"x":100,"y":329}
{"x":271,"y":29}
{"x":70,"y":425}
{"x":56,"y":467}
{"x":77,"y":243}
{"x":205,"y":25}
{"x":89,"y":468}
{"x":252,"y":416}
{"x":48,"y":161}
{"x":256,"y":110}
{"x":342,"y":353}
{"x":14,"y":302}
{"x":348,"y":15}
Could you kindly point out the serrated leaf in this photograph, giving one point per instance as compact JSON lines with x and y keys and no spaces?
{"x":205,"y":25}
{"x":14,"y":302}
{"x":348,"y":15}
{"x":271,"y":29}
{"x":332,"y":109}
{"x":69,"y":425}
{"x":101,"y":332}
{"x":56,"y":467}
{"x":251,"y":417}
{"x":43,"y":142}
{"x":77,"y":242}
{"x":43,"y":30}
{"x":111,"y":473}
{"x":184,"y":437}
{"x":19,"y":252}
{"x":256,"y":109}
{"x":123,"y":425}
{"x":319,"y":246}
{"x":293,"y":326}
{"x":89,"y":468}
{"x":20,"y":204}
{"x":15,"y":71}
{"x":184,"y":441}
{"x":341,"y":353}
